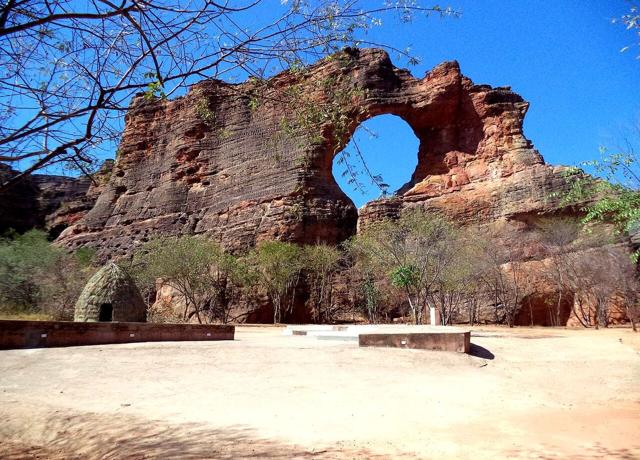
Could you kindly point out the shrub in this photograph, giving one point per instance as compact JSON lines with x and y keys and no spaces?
{"x":203,"y":274}
{"x":37,"y":277}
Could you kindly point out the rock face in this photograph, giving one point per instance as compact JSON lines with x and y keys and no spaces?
{"x":48,"y":201}
{"x":110,"y":295}
{"x":240,"y":163}
{"x":72,"y":208}
{"x":216,"y":163}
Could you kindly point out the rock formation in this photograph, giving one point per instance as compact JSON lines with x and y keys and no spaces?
{"x":216,"y":162}
{"x":253,"y":161}
{"x":48,"y":202}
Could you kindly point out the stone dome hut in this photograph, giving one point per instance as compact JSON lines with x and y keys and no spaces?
{"x":110,"y":295}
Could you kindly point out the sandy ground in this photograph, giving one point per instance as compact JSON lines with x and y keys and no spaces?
{"x":523,"y":393}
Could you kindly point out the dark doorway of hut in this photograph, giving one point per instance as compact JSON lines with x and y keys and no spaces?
{"x":106,"y":313}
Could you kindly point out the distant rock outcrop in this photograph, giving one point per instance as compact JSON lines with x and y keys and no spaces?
{"x":48,"y":202}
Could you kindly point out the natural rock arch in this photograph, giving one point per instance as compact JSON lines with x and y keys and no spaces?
{"x":380,"y":159}
{"x":232,"y":176}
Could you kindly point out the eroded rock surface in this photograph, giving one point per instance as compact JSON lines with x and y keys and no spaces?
{"x":215,"y":163}
{"x":224,"y":162}
{"x":47,"y":201}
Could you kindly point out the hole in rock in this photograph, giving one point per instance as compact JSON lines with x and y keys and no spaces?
{"x":378,"y":160}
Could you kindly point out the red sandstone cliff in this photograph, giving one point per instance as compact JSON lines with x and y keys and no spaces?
{"x":230,"y":173}
{"x":221,"y":163}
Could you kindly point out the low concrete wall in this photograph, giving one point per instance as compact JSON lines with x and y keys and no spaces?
{"x":459,"y":341}
{"x":34,"y":334}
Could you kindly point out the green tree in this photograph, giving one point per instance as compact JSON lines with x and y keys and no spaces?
{"x":372,"y":298}
{"x":612,"y":192}
{"x":413,"y":251}
{"x":321,"y":263}
{"x":370,"y":289}
{"x":23,"y":258}
{"x":278,"y":266}
{"x":36,"y":276}
{"x":203,"y":274}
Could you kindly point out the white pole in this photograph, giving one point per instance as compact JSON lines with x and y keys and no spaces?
{"x":432,"y":316}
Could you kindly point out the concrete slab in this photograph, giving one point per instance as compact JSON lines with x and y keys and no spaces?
{"x":334,"y":335}
{"x":344,"y":337}
{"x":303,"y":329}
{"x":444,"y":338}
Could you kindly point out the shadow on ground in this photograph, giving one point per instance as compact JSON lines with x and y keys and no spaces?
{"x":514,"y":336}
{"x":480,"y":352}
{"x":93,"y":436}
{"x":597,"y":451}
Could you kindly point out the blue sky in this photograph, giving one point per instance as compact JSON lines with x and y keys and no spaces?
{"x":563,"y":57}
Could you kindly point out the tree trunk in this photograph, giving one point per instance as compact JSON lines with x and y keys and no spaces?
{"x":414,"y":311}
{"x":276,"y":309}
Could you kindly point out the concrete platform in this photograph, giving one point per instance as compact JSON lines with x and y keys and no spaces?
{"x":451,"y":339}
{"x":345,"y":336}
{"x":442,"y":338}
{"x":309,"y":329}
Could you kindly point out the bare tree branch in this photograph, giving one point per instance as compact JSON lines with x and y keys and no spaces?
{"x":68,"y":70}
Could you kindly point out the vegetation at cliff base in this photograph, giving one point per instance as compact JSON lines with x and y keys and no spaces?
{"x":39,"y":279}
{"x":397,"y":269}
{"x":612,"y":190}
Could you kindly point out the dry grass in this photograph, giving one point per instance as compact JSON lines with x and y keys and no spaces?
{"x":27,"y":316}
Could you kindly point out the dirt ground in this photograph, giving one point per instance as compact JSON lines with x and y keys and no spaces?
{"x":522,"y":393}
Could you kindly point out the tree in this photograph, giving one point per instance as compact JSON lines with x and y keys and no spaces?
{"x":413,"y":251}
{"x":369,"y":288}
{"x":559,"y":240}
{"x":505,"y":278}
{"x":199,"y":270}
{"x":459,"y":284}
{"x":36,"y":276}
{"x":604,"y":279}
{"x":370,"y":299}
{"x":68,"y":69}
{"x":614,"y":197}
{"x":61,"y":284}
{"x":628,"y":289}
{"x":22,"y":259}
{"x":321,"y":263}
{"x":278,"y":265}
